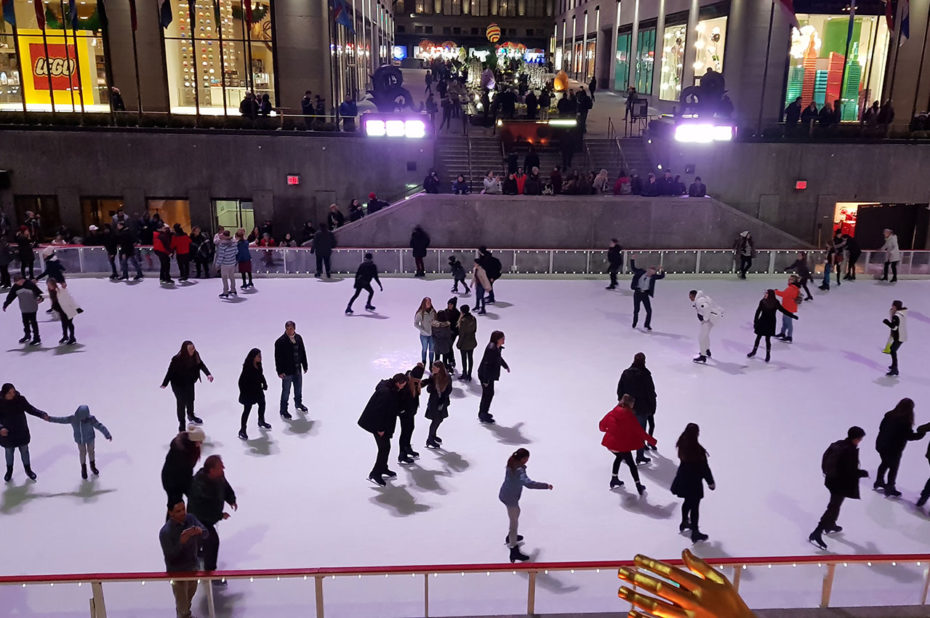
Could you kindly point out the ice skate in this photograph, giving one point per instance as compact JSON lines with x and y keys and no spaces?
{"x":615,"y":482}
{"x":370,"y":307}
{"x":390,"y":474}
{"x":752,"y":353}
{"x":432,"y":444}
{"x":84,"y":471}
{"x":698,"y":536}
{"x":302,"y":407}
{"x":892,"y":372}
{"x":516,"y":554}
{"x":286,"y":415}
{"x":684,"y":525}
{"x":642,"y":459}
{"x":63,"y":339}
{"x":404,"y":459}
{"x":768,"y":356}
{"x":30,"y":473}
{"x":264,"y":425}
{"x":707,"y":352}
{"x":700,"y":358}
{"x":816,"y":538}
{"x":243,"y":435}
{"x":834,"y":529}
{"x":891,"y":491}
{"x":9,"y":474}
{"x":640,"y":488}
{"x":93,"y":468}
{"x":376,"y":479}
{"x":349,"y":311}
{"x":38,"y":341}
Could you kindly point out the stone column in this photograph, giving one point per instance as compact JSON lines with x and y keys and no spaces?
{"x":303,"y":56}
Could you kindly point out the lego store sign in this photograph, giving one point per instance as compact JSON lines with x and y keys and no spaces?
{"x":65,"y":64}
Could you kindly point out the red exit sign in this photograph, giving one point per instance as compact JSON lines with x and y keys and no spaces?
{"x":293,"y":179}
{"x":800,"y":185}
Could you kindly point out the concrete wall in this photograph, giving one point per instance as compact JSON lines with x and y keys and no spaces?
{"x":573,"y":222}
{"x":135,"y":165}
{"x":759,"y":178}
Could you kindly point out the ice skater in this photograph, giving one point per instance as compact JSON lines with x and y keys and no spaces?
{"x":379,"y":418}
{"x":489,"y":372}
{"x":83,"y":424}
{"x":290,"y":363}
{"x":482,"y":284}
{"x":54,"y":269}
{"x":244,"y":259}
{"x":181,"y":538}
{"x":161,"y":247}
{"x":707,"y":314}
{"x":636,"y":381}
{"x":624,"y":434}
{"x":467,"y":342}
{"x":515,"y":479}
{"x":764,"y":322}
{"x":644,"y":286}
{"x":14,"y":430}
{"x":614,"y":262}
{"x":423,"y":321}
{"x":29,"y":297}
{"x":492,"y":268}
{"x":210,"y":491}
{"x":439,"y":387}
{"x":790,"y":297}
{"x":458,"y":275}
{"x":840,"y":466}
{"x":252,"y":387}
{"x":803,"y":271}
{"x":183,"y":373}
{"x":66,"y":308}
{"x":693,"y":472}
{"x":852,"y":256}
{"x":419,"y":243}
{"x":744,"y":249}
{"x":897,"y":324}
{"x":442,"y":339}
{"x":225,"y":263}
{"x":410,"y":402}
{"x":896,"y":429}
{"x":892,"y":255}
{"x":178,"y":469}
{"x":366,"y":273}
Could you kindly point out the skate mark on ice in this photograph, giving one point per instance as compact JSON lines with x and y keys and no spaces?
{"x":862,"y":360}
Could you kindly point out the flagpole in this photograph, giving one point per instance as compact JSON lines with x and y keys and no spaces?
{"x":923,"y":51}
{"x":19,"y":67}
{"x":868,"y":79}
{"x":64,"y":37}
{"x":765,"y":70}
{"x":48,"y":72}
{"x":896,"y":46}
{"x":845,"y":73}
{"x":77,"y":60}
{"x":135,"y":58}
{"x":195,"y":60}
{"x":218,"y":17}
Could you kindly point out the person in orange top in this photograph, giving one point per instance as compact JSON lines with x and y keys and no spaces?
{"x":181,"y":246}
{"x":790,"y":297}
{"x":623,"y":435}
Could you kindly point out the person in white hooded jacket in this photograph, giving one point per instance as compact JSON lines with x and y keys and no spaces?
{"x":707,"y":314}
{"x":892,"y":255}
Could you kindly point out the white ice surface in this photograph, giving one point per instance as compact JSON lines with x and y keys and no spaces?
{"x":303,"y":497}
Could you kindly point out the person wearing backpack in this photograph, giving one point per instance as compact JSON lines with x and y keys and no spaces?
{"x":492,"y":268}
{"x":840,"y":466}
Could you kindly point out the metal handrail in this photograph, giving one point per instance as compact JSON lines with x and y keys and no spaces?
{"x":533,"y":570}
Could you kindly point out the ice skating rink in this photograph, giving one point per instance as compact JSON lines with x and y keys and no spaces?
{"x":303,"y":495}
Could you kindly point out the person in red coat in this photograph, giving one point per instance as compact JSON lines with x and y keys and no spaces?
{"x":161,"y":246}
{"x":623,"y":435}
{"x":181,"y":246}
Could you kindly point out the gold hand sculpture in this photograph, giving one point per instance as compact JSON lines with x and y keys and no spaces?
{"x":702,"y":593}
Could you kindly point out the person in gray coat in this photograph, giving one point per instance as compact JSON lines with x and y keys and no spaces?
{"x":84,"y":426}
{"x":180,"y":539}
{"x":29,"y":297}
{"x":515,"y":479}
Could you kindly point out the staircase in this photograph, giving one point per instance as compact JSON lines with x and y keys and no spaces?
{"x":452,"y":157}
{"x":485,"y":155}
{"x":635,"y":156}
{"x":604,"y":154}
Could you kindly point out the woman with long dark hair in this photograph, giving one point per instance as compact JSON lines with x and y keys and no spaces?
{"x":183,"y":372}
{"x":693,"y":471}
{"x":895,"y":431}
{"x":410,"y":401}
{"x":622,"y":435}
{"x":252,"y":387}
{"x":489,"y":372}
{"x":178,"y":470}
{"x":439,"y":388}
{"x":515,"y":479}
{"x":764,"y":322}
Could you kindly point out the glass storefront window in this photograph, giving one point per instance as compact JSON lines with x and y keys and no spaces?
{"x":711,"y":39}
{"x":817,"y":60}
{"x":98,"y":211}
{"x":46,"y":207}
{"x":673,"y":59}
{"x":219,"y":56}
{"x":234,"y":214}
{"x":622,"y":66}
{"x":645,"y":60}
{"x":171,"y":211}
{"x":62,"y":65}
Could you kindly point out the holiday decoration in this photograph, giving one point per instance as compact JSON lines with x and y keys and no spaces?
{"x":493,"y":33}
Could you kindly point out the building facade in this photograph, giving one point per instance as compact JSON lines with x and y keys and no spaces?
{"x":837,"y":52}
{"x":188,"y":56}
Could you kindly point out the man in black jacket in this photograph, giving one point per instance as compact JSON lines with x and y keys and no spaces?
{"x":367,"y":271}
{"x":419,"y":243}
{"x":492,"y":268}
{"x":636,"y":380}
{"x":290,"y":363}
{"x":127,"y":251}
{"x":209,"y":492}
{"x":644,"y":286}
{"x":324,"y":242}
{"x":380,"y":418}
{"x":489,"y":372}
{"x":840,"y":466}
{"x":614,"y":262}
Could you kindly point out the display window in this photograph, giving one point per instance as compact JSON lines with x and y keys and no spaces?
{"x":622,"y":65}
{"x":99,"y":210}
{"x":216,"y":52}
{"x":673,"y":61}
{"x":234,"y":214}
{"x":171,"y":211}
{"x":819,"y":71}
{"x":46,"y":207}
{"x":711,"y":38}
{"x":645,"y":59}
{"x":58,"y":67}
{"x":845,"y":215}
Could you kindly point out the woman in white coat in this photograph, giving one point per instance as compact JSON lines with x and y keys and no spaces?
{"x":66,"y":307}
{"x":892,"y":255}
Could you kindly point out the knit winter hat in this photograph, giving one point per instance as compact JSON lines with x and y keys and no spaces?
{"x":371,"y":196}
{"x":195,"y":433}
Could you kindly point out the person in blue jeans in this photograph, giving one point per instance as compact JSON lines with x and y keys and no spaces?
{"x":423,"y":321}
{"x":481,"y":283}
{"x":290,"y":363}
